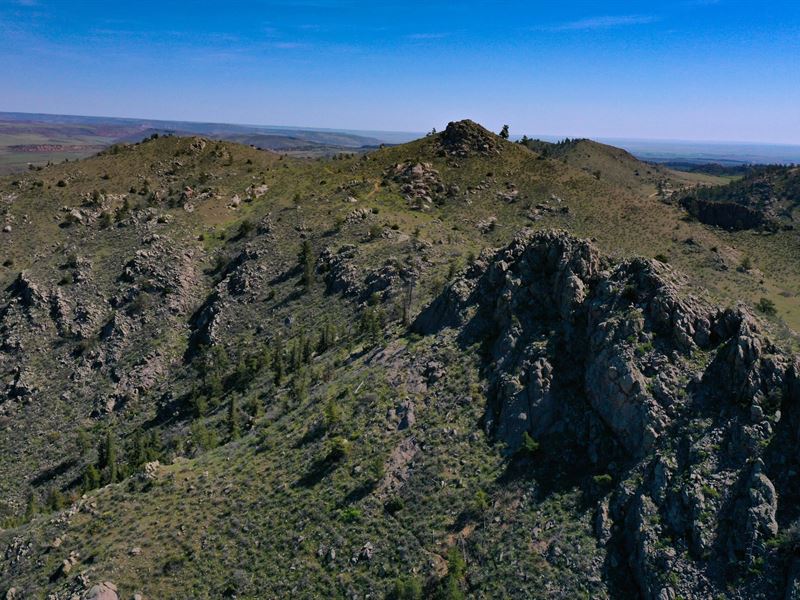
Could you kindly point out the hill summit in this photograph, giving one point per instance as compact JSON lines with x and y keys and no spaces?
{"x":465,"y":138}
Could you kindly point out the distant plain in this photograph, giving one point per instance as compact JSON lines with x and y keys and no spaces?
{"x":28,"y":139}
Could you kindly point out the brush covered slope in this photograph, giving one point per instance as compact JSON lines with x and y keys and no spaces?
{"x":230,"y":373}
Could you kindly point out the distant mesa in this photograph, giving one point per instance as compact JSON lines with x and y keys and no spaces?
{"x":37,"y":148}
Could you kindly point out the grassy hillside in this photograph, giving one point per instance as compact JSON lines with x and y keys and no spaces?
{"x":241,"y":317}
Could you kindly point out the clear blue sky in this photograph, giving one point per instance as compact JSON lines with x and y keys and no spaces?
{"x":686,"y":69}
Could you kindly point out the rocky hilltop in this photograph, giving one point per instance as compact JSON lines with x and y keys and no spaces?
{"x":460,"y":367}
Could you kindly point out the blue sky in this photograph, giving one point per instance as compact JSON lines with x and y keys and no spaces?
{"x":687,"y":69}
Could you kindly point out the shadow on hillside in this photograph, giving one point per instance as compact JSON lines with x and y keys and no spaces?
{"x":320,"y":469}
{"x":359,"y":493}
{"x":286,"y":275}
{"x":291,"y":297}
{"x":53,"y":472}
{"x":312,"y":434}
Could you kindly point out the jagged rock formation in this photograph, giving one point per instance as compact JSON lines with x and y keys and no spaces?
{"x":674,"y":399}
{"x":343,"y":276}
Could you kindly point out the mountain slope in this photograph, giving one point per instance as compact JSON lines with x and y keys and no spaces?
{"x":243,"y":319}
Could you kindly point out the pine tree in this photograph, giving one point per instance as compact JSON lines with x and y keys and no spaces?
{"x":82,"y":441}
{"x":55,"y":499}
{"x":254,"y":407}
{"x":306,"y":258}
{"x":234,"y":429}
{"x":203,"y":438}
{"x":107,"y":458}
{"x":242,"y":376}
{"x":307,"y":349}
{"x":199,"y":403}
{"x":450,"y":586}
{"x":371,"y":324}
{"x":300,"y":385}
{"x":278,"y":361}
{"x":332,"y":415}
{"x":504,"y":132}
{"x":91,"y":478}
{"x":32,"y":508}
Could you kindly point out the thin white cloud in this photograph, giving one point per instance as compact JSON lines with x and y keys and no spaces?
{"x":288,"y":45}
{"x":603,"y":22}
{"x":426,"y":36}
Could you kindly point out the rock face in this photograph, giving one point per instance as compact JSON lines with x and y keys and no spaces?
{"x":728,"y":215}
{"x":689,"y":407}
{"x":766,"y":198}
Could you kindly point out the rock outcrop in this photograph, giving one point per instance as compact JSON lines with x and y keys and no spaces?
{"x":421,"y":184}
{"x":619,"y":366}
{"x":462,"y":139}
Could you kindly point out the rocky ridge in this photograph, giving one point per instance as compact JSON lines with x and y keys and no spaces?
{"x":676,"y":401}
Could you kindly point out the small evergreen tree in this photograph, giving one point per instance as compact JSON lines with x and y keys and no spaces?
{"x":91,"y":478}
{"x":450,"y":586}
{"x":529,"y":445}
{"x":332,"y":414}
{"x":55,"y":499}
{"x":107,"y":458}
{"x":234,"y":429}
{"x":32,"y":507}
{"x":202,"y":436}
{"x":82,"y":442}
{"x":306,"y":258}
{"x":307,"y":349}
{"x":300,"y":385}
{"x":504,"y":132}
{"x":199,"y":404}
{"x":278,"y":361}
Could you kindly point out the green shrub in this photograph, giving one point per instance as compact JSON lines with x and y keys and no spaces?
{"x":406,"y":588}
{"x":375,"y":231}
{"x":529,"y":445}
{"x":394,"y":505}
{"x":203,"y":437}
{"x":766,"y":306}
{"x":603,"y":480}
{"x":745,"y":264}
{"x":350,"y":515}
{"x":338,"y":448}
{"x":245,"y":228}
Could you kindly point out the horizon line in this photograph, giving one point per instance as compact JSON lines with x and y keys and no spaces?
{"x":410,"y":133}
